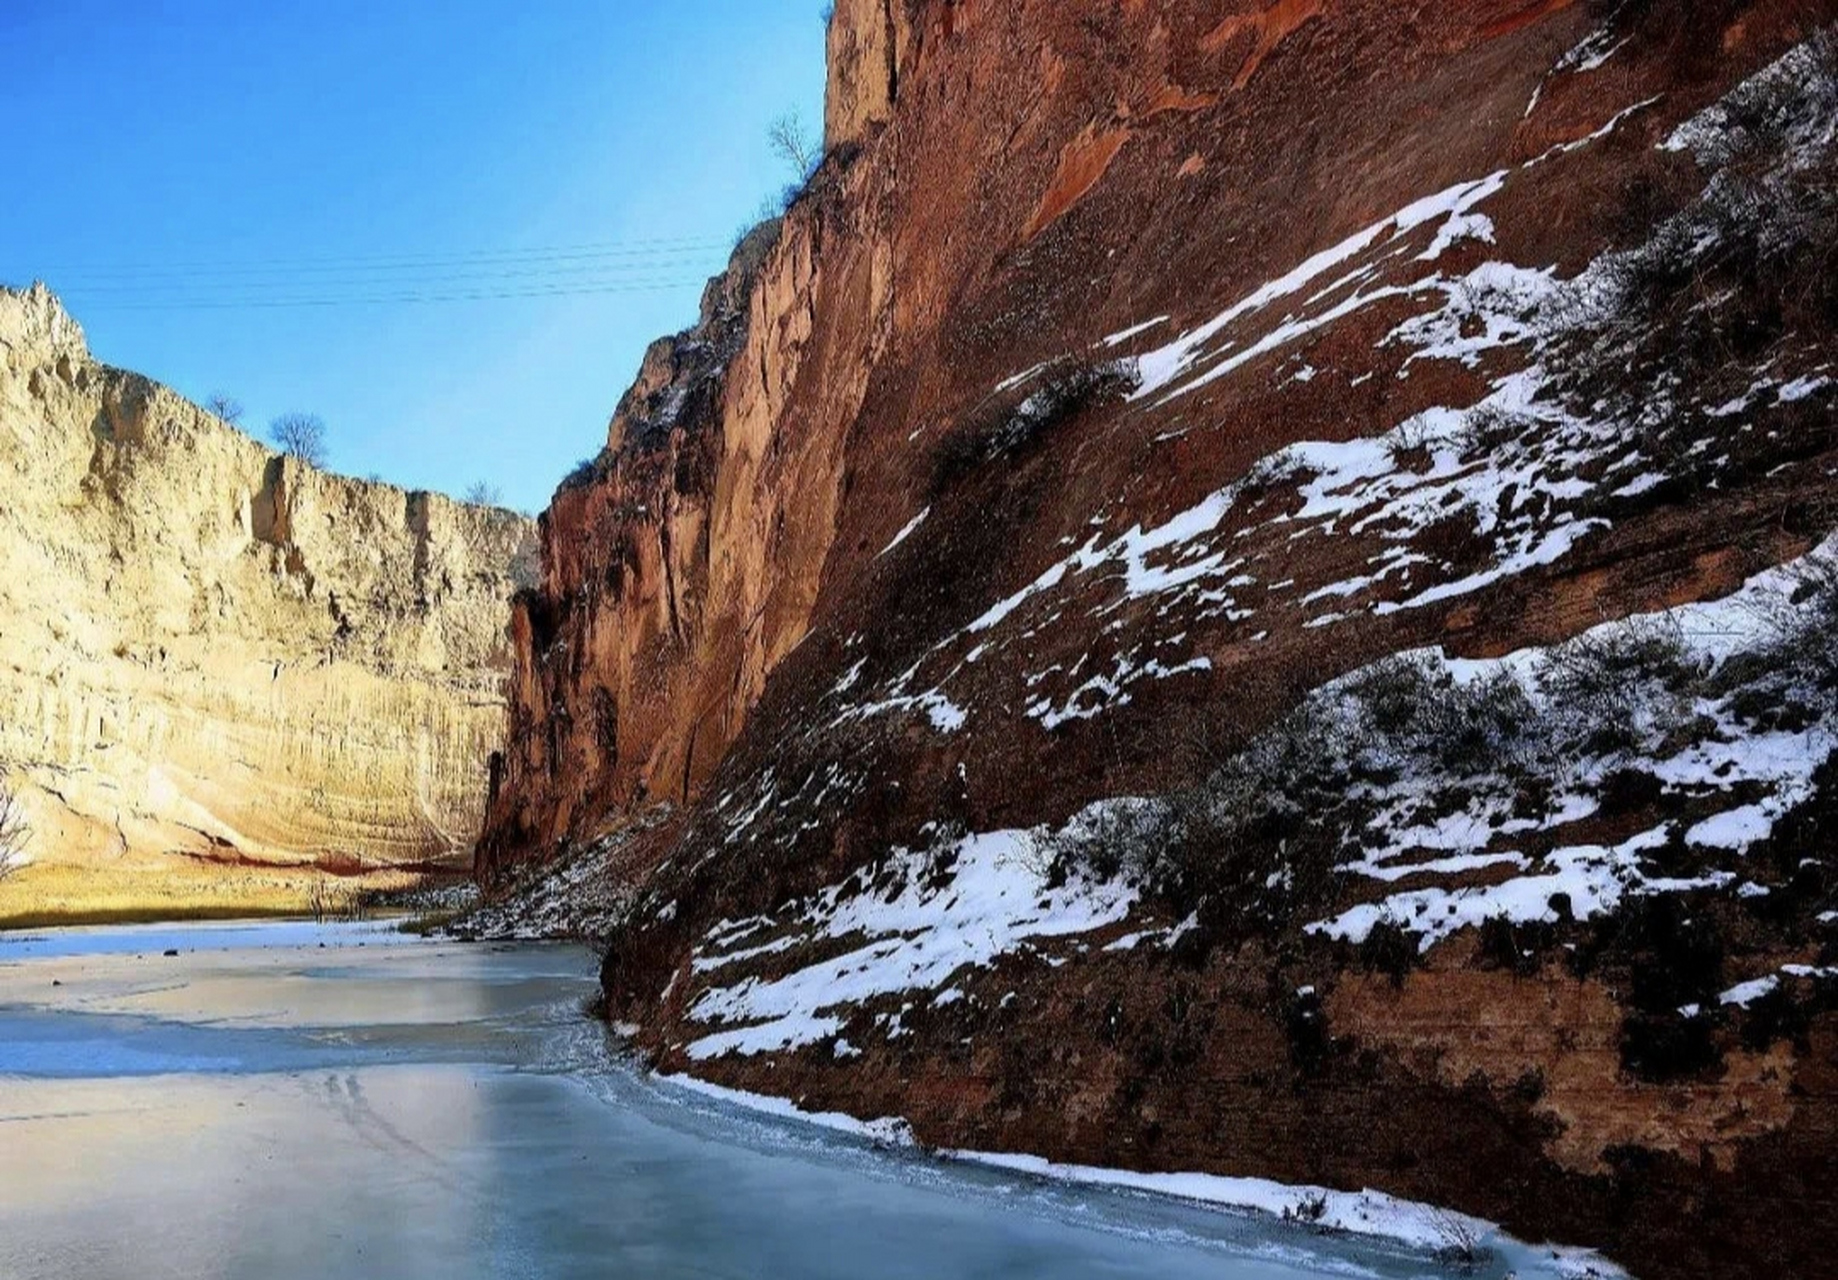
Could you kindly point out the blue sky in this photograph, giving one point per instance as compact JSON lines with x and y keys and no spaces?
{"x":177,"y":167}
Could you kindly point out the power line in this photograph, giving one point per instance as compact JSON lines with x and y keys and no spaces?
{"x":555,"y":264}
{"x":555,"y":271}
{"x":604,"y":249}
{"x":571,"y":271}
{"x":219,"y":304}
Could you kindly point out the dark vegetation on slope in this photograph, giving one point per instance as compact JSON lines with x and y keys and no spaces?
{"x":1249,"y":1043}
{"x":1001,"y":430}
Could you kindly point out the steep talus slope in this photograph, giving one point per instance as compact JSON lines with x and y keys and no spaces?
{"x":211,"y":650}
{"x":995,"y":606}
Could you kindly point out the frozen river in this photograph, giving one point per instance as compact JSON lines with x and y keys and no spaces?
{"x":281,"y":1101}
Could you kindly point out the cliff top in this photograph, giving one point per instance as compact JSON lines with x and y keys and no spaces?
{"x":34,"y":320}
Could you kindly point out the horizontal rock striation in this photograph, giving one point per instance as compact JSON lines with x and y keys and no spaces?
{"x":207,"y":649}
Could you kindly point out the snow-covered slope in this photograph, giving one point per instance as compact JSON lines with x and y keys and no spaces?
{"x":1269,"y":624}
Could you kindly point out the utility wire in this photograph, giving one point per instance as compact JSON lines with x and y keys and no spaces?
{"x":605,"y":249}
{"x":208,"y":304}
{"x":557,"y":271}
{"x":509,"y":266}
{"x":579,"y":272}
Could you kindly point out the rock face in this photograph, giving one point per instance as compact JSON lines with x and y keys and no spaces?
{"x":868,"y":39}
{"x":993,"y":611}
{"x":208,"y":649}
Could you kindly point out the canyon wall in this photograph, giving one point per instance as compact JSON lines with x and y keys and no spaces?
{"x":1068,"y":650}
{"x":207,"y":649}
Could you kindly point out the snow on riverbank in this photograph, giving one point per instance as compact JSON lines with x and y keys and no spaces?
{"x":194,"y":936}
{"x":1367,"y":1214}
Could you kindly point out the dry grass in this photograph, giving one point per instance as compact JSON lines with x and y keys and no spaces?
{"x":50,"y":895}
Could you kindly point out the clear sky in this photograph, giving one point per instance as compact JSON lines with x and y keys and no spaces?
{"x":177,"y":168}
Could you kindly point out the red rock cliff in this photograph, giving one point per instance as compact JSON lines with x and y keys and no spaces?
{"x":1129,"y":373}
{"x":1005,"y":184}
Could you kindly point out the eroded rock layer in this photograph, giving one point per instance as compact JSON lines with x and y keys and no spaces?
{"x":207,"y":649}
{"x":1116,"y":622}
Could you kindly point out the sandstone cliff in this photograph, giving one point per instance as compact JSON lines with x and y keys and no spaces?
{"x":1115,"y":619}
{"x":208,"y":649}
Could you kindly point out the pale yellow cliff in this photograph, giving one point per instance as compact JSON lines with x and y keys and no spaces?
{"x":206,"y":649}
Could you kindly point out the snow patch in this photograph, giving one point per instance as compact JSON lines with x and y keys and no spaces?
{"x":962,"y":907}
{"x":905,"y":533}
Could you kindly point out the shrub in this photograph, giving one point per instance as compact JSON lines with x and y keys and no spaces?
{"x":1658,"y":1047}
{"x":1068,"y":389}
{"x":1802,"y":646}
{"x":1389,"y":950}
{"x":1775,"y":1015}
{"x":1391,"y":695}
{"x":1638,"y":284}
{"x":1764,"y":115}
{"x":1413,"y":709}
{"x":1529,"y":1088}
{"x":1309,"y":1210}
{"x":15,"y":831}
{"x":1489,"y":428}
{"x":1111,"y":840}
{"x":1458,"y":1241}
{"x":1411,"y":446}
{"x":1256,"y":839}
{"x":323,"y":901}
{"x":1517,"y":948}
{"x":585,"y":472}
{"x":1613,"y":689}
{"x":1714,"y":288}
{"x":1675,"y":957}
{"x":1260,"y":837}
{"x":1305,"y":1028}
{"x":300,"y":435}
{"x":1268,"y":472}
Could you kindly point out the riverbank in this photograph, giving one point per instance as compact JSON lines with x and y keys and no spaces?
{"x":347,"y":1100}
{"x":177,"y":891}
{"x":1468,"y":1244}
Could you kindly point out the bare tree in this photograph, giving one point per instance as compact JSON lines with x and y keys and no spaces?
{"x":485,"y":494}
{"x":792,"y":142}
{"x":1458,"y":1240}
{"x":300,"y":435}
{"x":321,"y":900}
{"x":15,"y":832}
{"x":526,"y":564}
{"x":229,"y":408}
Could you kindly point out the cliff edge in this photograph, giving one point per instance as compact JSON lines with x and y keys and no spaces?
{"x":213,"y":652}
{"x":1238,"y":588}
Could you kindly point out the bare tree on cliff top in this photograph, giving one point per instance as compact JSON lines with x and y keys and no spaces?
{"x":229,"y":408}
{"x":792,"y":142}
{"x":485,"y":494}
{"x":300,"y":435}
{"x":15,"y":833}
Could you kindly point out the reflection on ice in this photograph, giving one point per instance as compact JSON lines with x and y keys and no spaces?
{"x":268,"y":1108}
